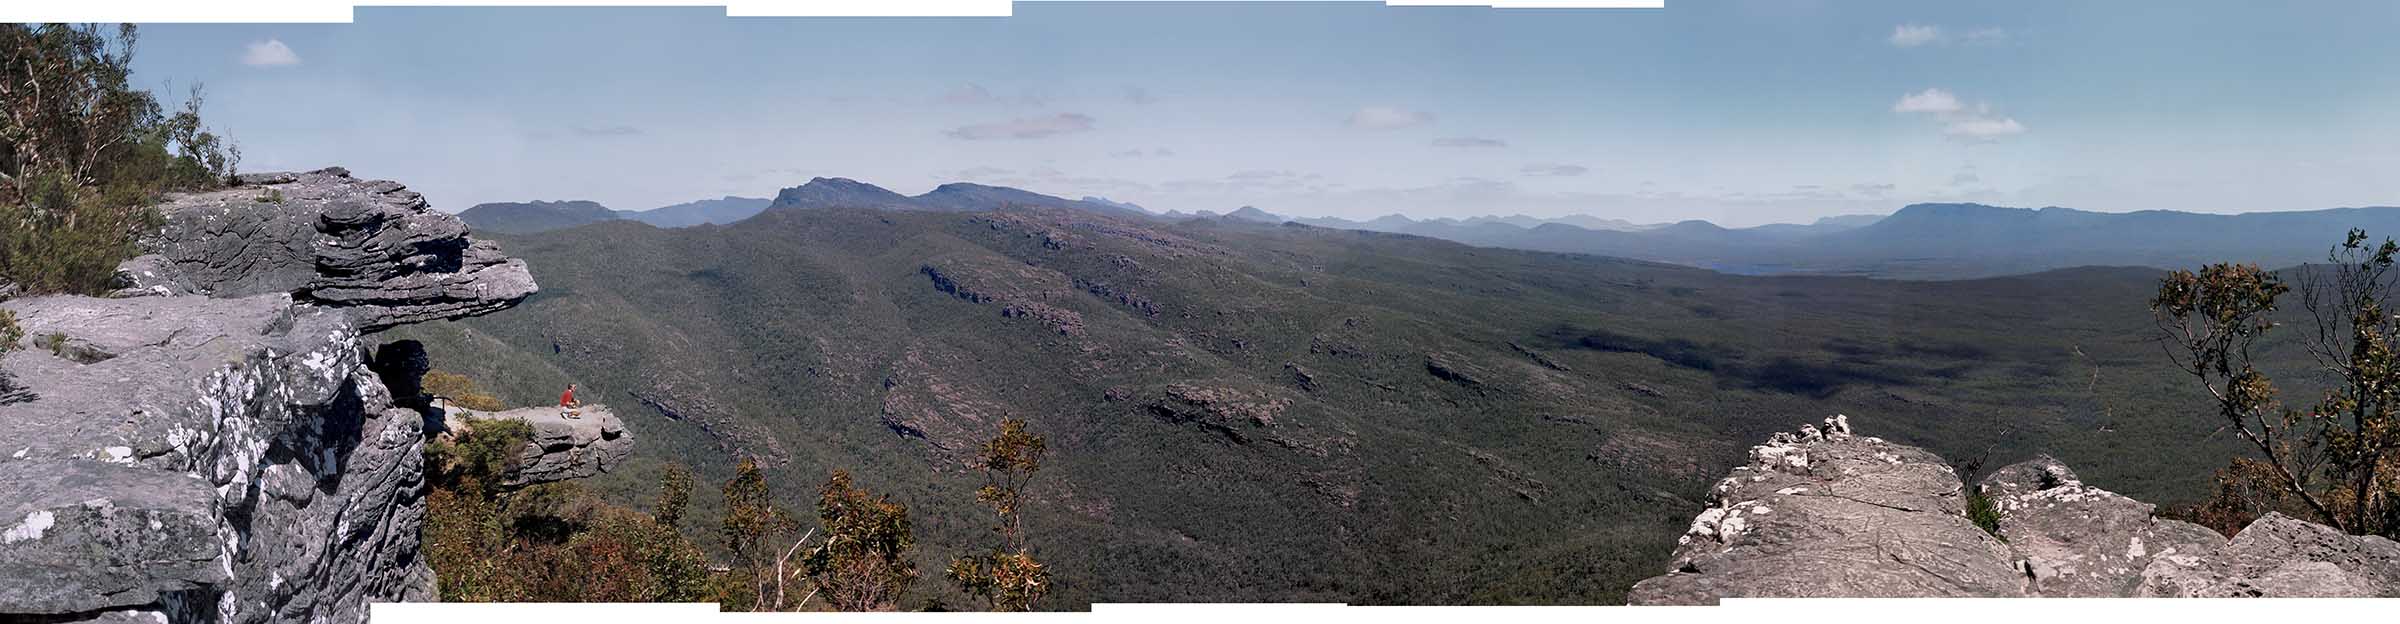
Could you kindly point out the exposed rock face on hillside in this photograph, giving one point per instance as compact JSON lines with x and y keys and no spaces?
{"x":592,"y":442}
{"x":1825,"y":513}
{"x":287,"y":486}
{"x":212,"y":445}
{"x":369,"y":247}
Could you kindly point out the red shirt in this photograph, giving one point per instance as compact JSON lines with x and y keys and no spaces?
{"x":567,"y":399}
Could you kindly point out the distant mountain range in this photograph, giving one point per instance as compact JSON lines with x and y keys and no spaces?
{"x":543,"y":216}
{"x":952,"y":197}
{"x":1920,"y":241}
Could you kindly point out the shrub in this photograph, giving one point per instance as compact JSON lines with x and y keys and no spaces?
{"x":2339,"y":459}
{"x":754,"y":531}
{"x":1008,"y":578}
{"x":83,"y":155}
{"x":864,"y":563}
{"x":553,"y":542}
{"x":10,"y":333}
{"x":1981,"y":512}
{"x":461,"y":391}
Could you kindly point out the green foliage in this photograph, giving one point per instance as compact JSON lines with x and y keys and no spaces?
{"x":10,"y":332}
{"x":461,"y":391}
{"x":1008,"y":578}
{"x":552,"y":542}
{"x":1981,"y":512}
{"x":1009,"y":581}
{"x":85,"y":154}
{"x":674,"y":494}
{"x":777,"y":335}
{"x":483,"y":455}
{"x":2336,"y":458}
{"x":754,"y":531}
{"x":864,"y":564}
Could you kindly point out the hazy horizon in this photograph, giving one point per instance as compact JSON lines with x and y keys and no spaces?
{"x":1739,"y":113}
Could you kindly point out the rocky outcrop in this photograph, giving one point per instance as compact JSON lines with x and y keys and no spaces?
{"x":592,"y":442}
{"x":212,"y":445}
{"x":1824,"y":513}
{"x":216,"y":460}
{"x":368,"y":247}
{"x":2280,"y":556}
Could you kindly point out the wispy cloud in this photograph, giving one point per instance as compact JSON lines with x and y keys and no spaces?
{"x":1927,"y":101}
{"x":1160,"y":152}
{"x":1913,"y":35}
{"x":1469,"y":142}
{"x":1974,"y":127}
{"x":1977,"y":123}
{"x":269,"y":53}
{"x":1025,"y":127}
{"x":1554,"y":170}
{"x":1388,"y":118}
{"x":1139,"y":96}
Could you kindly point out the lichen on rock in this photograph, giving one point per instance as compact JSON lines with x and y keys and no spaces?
{"x":1826,"y":513}
{"x":210,"y":444}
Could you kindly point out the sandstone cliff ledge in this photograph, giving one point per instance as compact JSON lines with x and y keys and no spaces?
{"x":1824,"y":513}
{"x":210,"y":444}
{"x":562,"y":448}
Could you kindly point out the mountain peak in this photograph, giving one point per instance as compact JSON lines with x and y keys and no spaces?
{"x":824,"y":192}
{"x":1252,"y":213}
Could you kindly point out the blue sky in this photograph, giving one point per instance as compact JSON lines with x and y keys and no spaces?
{"x":1737,"y":112}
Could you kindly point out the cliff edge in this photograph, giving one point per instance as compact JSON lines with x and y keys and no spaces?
{"x":1825,"y":513}
{"x":210,"y":444}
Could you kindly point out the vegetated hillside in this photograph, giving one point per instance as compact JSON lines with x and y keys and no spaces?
{"x":534,"y":216}
{"x":1254,"y":412}
{"x":1936,"y":241}
{"x":722,"y":210}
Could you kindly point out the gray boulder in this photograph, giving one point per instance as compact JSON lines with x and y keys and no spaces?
{"x":80,"y":536}
{"x":2281,"y":557}
{"x":369,"y":247}
{"x":2077,"y":541}
{"x":1824,"y":513}
{"x":206,"y":459}
{"x":1833,"y":514}
{"x":562,"y":448}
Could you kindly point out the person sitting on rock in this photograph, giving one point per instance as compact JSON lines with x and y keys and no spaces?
{"x":567,"y":404}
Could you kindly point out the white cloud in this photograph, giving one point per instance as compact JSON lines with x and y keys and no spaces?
{"x":269,"y":53}
{"x":1388,"y":118}
{"x":1555,"y":170}
{"x":1469,"y":142}
{"x":1025,"y":128}
{"x":1976,"y":123}
{"x":1975,"y":127}
{"x":1913,"y":35}
{"x":1928,"y":101}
